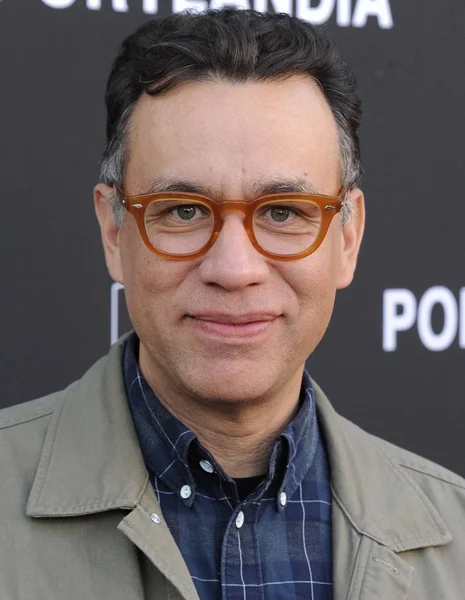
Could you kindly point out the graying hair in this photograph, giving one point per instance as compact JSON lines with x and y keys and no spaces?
{"x":113,"y":165}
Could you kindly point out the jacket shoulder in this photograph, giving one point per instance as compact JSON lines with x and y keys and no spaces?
{"x":418,"y":465}
{"x":26,"y":412}
{"x":404,"y":460}
{"x":22,"y":433}
{"x":438,"y":490}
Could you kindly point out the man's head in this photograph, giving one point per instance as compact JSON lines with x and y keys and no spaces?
{"x":230,"y":105}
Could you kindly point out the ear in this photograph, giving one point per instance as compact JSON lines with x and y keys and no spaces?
{"x":352,"y":233}
{"x":109,"y":230}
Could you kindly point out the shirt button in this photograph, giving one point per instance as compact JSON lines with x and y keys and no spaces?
{"x":155,"y":518}
{"x":283,"y":498}
{"x":207,"y":466}
{"x":186,"y":492}
{"x":240,"y":520}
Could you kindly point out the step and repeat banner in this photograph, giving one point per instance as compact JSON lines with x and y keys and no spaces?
{"x":393,"y":357}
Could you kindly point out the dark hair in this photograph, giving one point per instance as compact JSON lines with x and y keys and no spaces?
{"x":236,"y":45}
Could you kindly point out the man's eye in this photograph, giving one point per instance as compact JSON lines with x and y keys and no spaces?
{"x":280,"y":214}
{"x":186,"y":212}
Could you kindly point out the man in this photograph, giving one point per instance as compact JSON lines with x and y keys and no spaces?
{"x":198,"y":459}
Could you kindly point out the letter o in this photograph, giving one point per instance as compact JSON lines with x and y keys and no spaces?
{"x":437,"y":342}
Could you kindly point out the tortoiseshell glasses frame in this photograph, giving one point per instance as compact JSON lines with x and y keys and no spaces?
{"x":137,"y":205}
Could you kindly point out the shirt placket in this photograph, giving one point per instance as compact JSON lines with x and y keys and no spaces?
{"x":240,"y":559}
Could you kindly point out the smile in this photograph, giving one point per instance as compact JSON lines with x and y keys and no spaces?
{"x":233,"y":326}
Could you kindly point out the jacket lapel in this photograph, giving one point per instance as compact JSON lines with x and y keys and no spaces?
{"x":157,"y":543}
{"x":378,"y":512}
{"x":380,"y":574}
{"x":91,"y":463}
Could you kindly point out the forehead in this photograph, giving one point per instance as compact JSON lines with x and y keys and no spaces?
{"x":231,"y":135}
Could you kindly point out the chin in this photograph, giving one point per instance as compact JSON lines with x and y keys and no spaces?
{"x":232,"y":386}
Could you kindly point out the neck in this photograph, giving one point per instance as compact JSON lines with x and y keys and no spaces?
{"x":241,"y":441}
{"x":239,"y":435}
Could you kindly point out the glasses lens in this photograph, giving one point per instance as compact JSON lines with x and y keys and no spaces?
{"x":178,"y":227}
{"x":288,"y":227}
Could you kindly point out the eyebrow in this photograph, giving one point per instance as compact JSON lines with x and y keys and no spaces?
{"x":169,"y":184}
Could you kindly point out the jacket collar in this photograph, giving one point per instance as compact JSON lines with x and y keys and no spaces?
{"x":91,"y":462}
{"x":377,"y":496}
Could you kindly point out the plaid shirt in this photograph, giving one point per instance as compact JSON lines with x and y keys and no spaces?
{"x":274,"y":544}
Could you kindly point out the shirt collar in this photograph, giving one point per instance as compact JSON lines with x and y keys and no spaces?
{"x":167,"y":444}
{"x":164,"y":440}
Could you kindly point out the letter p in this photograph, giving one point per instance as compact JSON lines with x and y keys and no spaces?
{"x":395,"y":320}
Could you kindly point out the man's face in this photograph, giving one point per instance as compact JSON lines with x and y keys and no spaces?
{"x":231,"y":142}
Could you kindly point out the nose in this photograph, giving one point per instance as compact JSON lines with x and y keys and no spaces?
{"x":233,"y":263}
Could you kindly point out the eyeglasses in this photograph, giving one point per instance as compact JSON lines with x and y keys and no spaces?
{"x":184,"y":226}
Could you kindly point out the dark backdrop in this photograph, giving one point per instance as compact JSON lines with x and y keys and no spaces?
{"x":392,"y":359}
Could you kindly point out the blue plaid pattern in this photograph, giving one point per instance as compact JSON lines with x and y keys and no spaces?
{"x":277,"y":542}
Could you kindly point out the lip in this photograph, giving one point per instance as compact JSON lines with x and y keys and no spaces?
{"x":231,"y":319}
{"x":234,"y":326}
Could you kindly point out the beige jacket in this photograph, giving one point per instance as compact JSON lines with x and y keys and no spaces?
{"x":76,"y":506}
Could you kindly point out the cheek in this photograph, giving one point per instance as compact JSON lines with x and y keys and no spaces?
{"x":150,"y":282}
{"x":316,"y":275}
{"x":314,"y":282}
{"x":314,"y":286}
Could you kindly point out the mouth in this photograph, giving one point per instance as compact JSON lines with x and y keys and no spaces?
{"x":234,"y":326}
